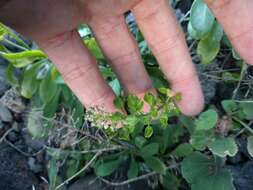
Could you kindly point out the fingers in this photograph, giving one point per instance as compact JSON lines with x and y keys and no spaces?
{"x":79,"y":70}
{"x":236,"y":17}
{"x":166,"y":40}
{"x":121,"y":50}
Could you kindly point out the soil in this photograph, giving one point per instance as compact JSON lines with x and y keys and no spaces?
{"x":15,"y":173}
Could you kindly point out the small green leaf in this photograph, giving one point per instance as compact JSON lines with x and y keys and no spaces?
{"x":140,"y":141}
{"x":92,"y":45}
{"x":115,"y":85}
{"x":133,"y":169}
{"x":183,"y":150}
{"x":247,"y":109}
{"x":250,"y":145}
{"x":150,"y":99}
{"x":196,"y":165}
{"x":107,"y":168}
{"x":229,"y":106}
{"x":150,"y":150}
{"x":193,"y":33}
{"x":155,"y":164}
{"x":134,"y":104}
{"x":163,"y":90}
{"x":30,"y":84}
{"x":224,"y":147}
{"x":201,"y":18}
{"x":51,"y":107}
{"x":48,"y":88}
{"x":43,"y":71}
{"x":24,"y":58}
{"x":148,"y":132}
{"x":209,"y":46}
{"x":207,"y":120}
{"x":10,"y":76}
{"x":200,"y":139}
{"x":119,"y":103}
{"x":170,"y":181}
{"x":222,"y":180}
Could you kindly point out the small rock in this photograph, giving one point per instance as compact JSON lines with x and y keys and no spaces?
{"x":34,"y":165}
{"x":12,"y":136}
{"x":15,"y":127}
{"x":34,"y":144}
{"x":5,"y":114}
{"x":13,"y":101}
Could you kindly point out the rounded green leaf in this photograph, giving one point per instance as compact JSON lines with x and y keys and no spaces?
{"x":150,"y":150}
{"x":193,"y":33}
{"x":209,"y":46}
{"x":207,"y":120}
{"x":183,"y":150}
{"x":133,"y":169}
{"x":196,"y":165}
{"x":250,"y":145}
{"x":155,"y":164}
{"x":148,"y":132}
{"x":224,"y":147}
{"x":201,"y":17}
{"x":222,"y":180}
{"x":107,"y":168}
{"x":48,"y":88}
{"x":30,"y":84}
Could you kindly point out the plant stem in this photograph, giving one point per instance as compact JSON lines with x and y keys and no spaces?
{"x":243,"y":124}
{"x":80,"y":171}
{"x":135,"y":179}
{"x":15,"y":45}
{"x":243,"y":71}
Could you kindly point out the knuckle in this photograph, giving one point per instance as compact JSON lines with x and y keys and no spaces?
{"x":126,"y":59}
{"x":166,"y":44}
{"x":76,"y":72}
{"x":102,"y":98}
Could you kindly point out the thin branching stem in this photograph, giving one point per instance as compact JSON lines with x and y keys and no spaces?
{"x":80,"y":171}
{"x":145,"y":176}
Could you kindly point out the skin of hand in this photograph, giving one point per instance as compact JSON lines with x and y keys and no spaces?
{"x":52,"y":24}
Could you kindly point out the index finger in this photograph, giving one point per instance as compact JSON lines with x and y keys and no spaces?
{"x":165,"y":37}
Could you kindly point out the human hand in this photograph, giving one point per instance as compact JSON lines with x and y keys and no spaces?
{"x":52,"y":24}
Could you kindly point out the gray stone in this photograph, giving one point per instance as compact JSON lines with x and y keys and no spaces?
{"x":12,"y":136}
{"x":32,"y":143}
{"x":13,"y":101}
{"x":5,"y":114}
{"x":34,"y":165}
